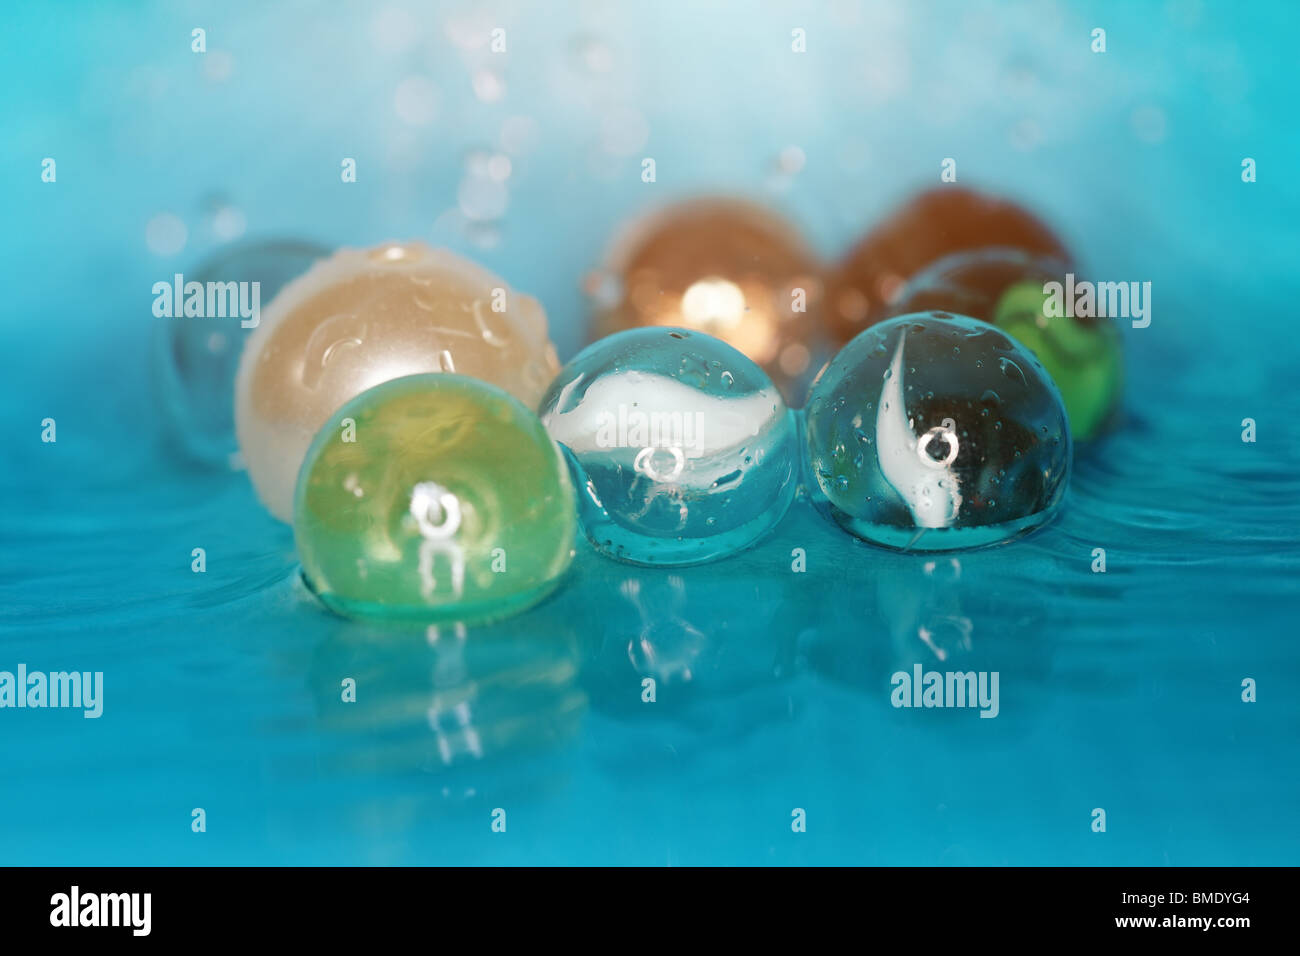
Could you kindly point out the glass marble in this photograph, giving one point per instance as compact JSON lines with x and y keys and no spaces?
{"x":1005,"y":287}
{"x":683,"y":449}
{"x":451,"y":502}
{"x":933,"y":432}
{"x":725,"y":267}
{"x":196,"y":359}
{"x":934,"y":224}
{"x":363,"y":317}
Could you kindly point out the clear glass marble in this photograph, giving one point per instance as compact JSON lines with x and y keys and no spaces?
{"x":1005,"y":287}
{"x":434,"y":497}
{"x":196,"y":359}
{"x":683,"y":449}
{"x":934,"y":432}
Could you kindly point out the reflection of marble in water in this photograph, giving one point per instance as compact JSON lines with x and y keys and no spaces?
{"x":450,"y":715}
{"x":694,"y":636}
{"x":449,"y":698}
{"x":979,"y":612}
{"x":925,"y":618}
{"x":667,"y":646}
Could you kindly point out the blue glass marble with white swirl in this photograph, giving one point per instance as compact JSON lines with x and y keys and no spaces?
{"x":683,"y":449}
{"x":933,"y":432}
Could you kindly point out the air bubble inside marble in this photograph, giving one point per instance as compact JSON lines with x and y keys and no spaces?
{"x":935,"y":431}
{"x":366,"y":316}
{"x":683,"y":449}
{"x":434,"y":497}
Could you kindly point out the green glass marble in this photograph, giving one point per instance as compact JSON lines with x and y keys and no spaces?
{"x":434,"y":497}
{"x":1083,"y":360}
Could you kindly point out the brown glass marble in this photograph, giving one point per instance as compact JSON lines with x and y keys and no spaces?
{"x":934,"y":224}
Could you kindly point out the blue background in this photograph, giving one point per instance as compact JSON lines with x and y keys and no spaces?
{"x":1119,"y":691}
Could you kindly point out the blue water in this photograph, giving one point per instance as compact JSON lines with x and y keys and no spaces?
{"x":1119,"y":691}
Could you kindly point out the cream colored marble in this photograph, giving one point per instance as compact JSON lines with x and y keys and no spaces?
{"x":366,"y":316}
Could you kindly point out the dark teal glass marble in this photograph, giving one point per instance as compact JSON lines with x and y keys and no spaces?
{"x":935,"y":432}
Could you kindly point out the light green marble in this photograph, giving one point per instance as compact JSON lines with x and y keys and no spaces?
{"x":1083,"y":360}
{"x":434,"y":496}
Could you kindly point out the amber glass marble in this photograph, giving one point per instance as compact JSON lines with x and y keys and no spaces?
{"x":729,"y":268}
